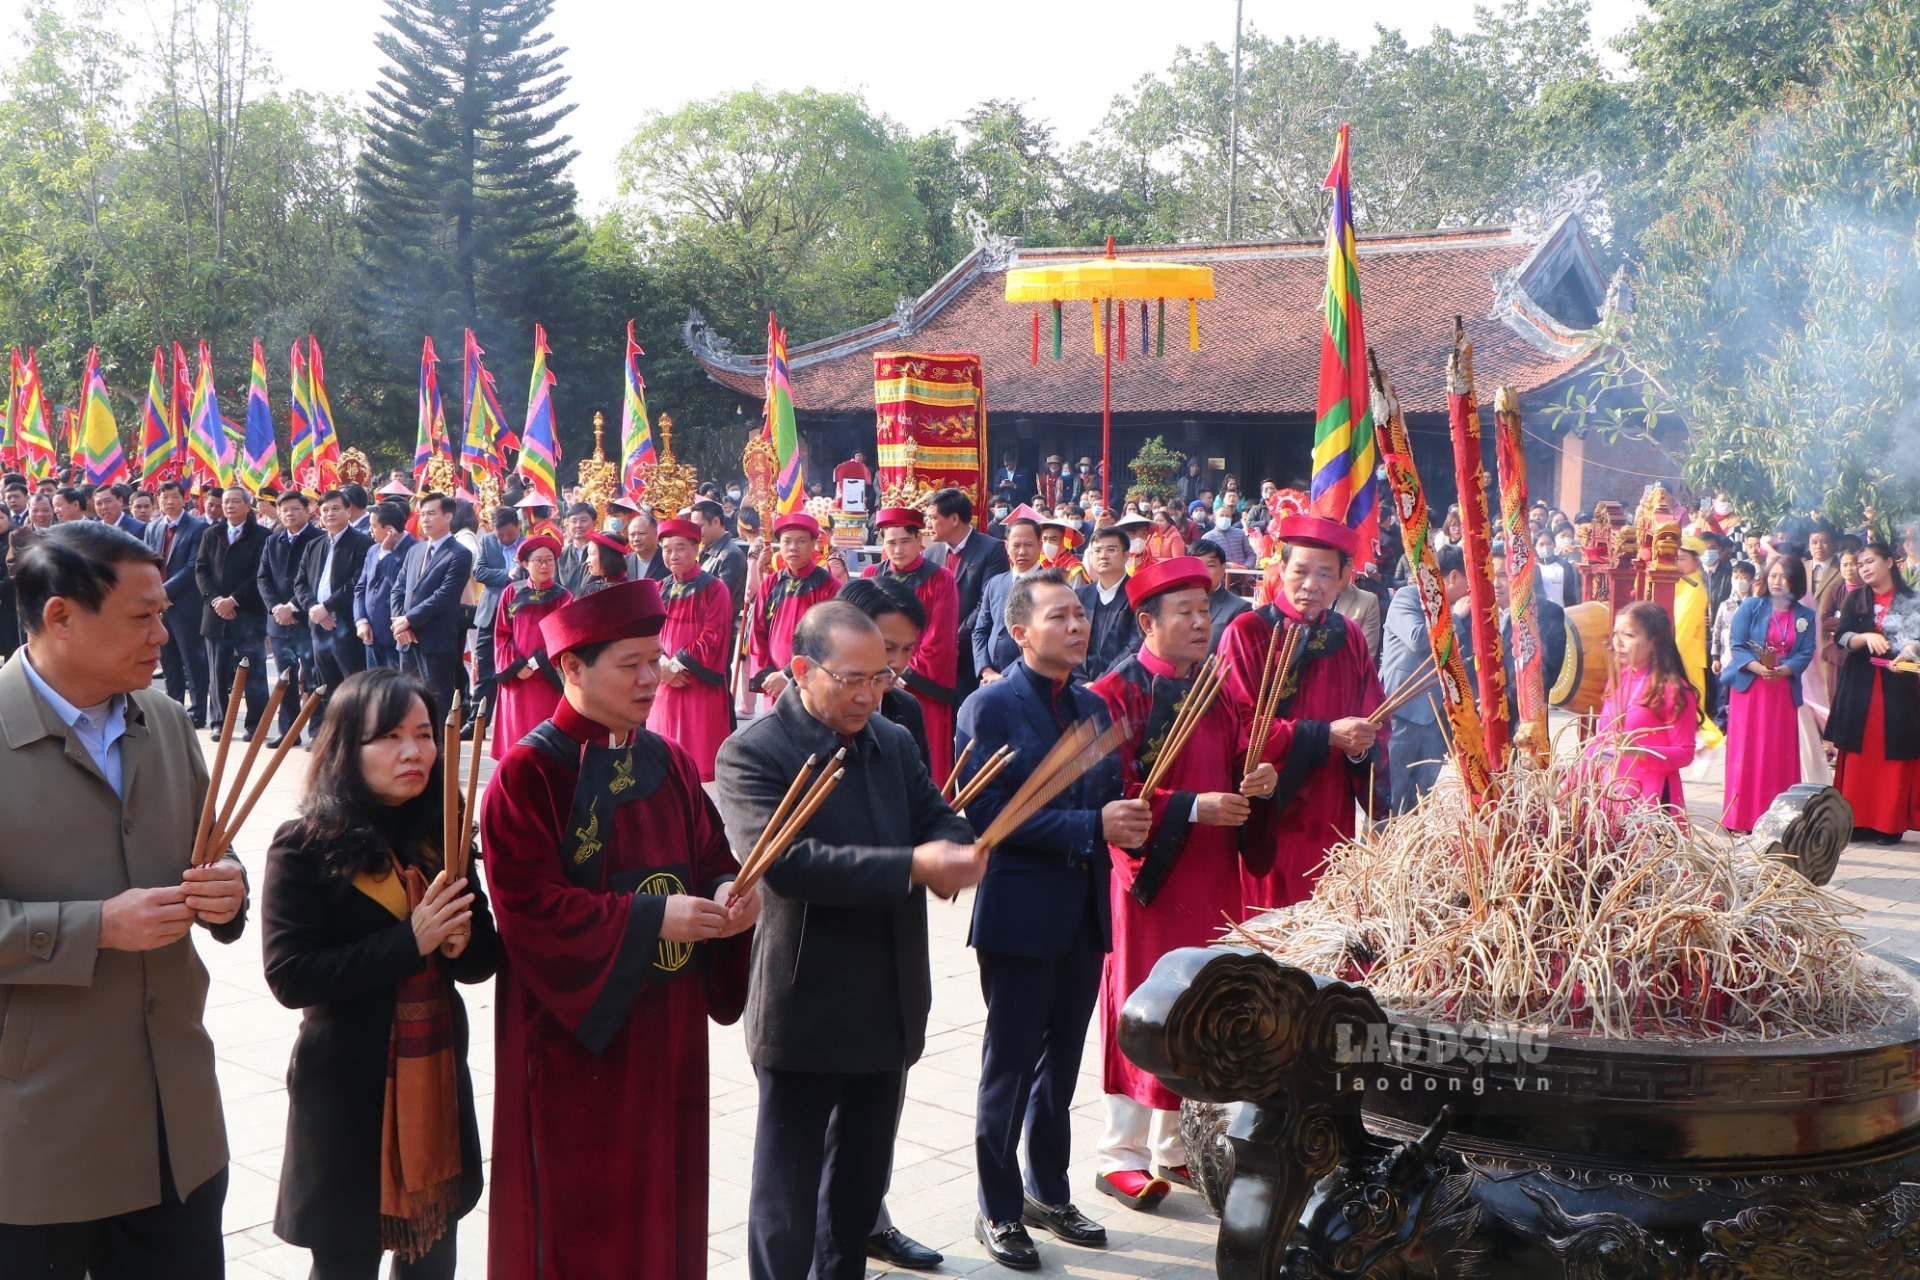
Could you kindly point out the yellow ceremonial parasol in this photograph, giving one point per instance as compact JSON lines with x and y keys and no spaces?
{"x":1109,"y":284}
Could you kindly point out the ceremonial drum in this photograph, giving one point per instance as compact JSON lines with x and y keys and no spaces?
{"x":1582,"y":682}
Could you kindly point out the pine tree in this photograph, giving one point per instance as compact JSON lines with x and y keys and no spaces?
{"x":468,"y":217}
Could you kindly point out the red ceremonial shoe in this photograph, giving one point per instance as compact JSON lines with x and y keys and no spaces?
{"x":1179,"y":1175}
{"x":1135,"y":1188}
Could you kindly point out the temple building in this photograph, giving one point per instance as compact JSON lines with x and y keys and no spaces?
{"x":1531,"y":297}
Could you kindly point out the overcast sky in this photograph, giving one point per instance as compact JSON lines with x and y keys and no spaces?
{"x":923,"y":65}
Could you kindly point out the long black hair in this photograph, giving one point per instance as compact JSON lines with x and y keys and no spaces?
{"x":1856,"y":611}
{"x":339,"y":815}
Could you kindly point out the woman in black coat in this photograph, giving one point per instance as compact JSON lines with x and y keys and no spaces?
{"x":355,"y":911}
{"x":1875,"y":719}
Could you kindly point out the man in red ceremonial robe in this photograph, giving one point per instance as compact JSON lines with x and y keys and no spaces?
{"x":1332,"y":759}
{"x":783,"y":598}
{"x":693,"y":708}
{"x":612,"y":882}
{"x":1172,"y":891}
{"x":936,"y":659}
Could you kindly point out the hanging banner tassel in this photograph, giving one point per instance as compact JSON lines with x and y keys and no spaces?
{"x":1160,"y":335}
{"x":1036,"y":335}
{"x":1099,"y":338}
{"x":1145,"y":330}
{"x":1120,"y":333}
{"x":1057,"y":318}
{"x":1193,"y":325}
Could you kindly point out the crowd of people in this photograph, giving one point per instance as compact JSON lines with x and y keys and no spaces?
{"x":656,"y":687}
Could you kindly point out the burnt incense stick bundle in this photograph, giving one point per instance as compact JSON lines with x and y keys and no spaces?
{"x":203,"y":834}
{"x":1267,"y":704}
{"x":771,"y":848}
{"x":450,"y":786}
{"x":225,"y":820}
{"x":795,"y":790}
{"x":470,"y":810}
{"x":226,"y":831}
{"x":1424,"y":677}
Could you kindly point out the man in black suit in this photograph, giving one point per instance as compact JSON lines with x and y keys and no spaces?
{"x":974,"y":558}
{"x":110,"y":506}
{"x":358,"y":502}
{"x":1552,"y":620}
{"x":725,"y":561}
{"x":993,"y":647}
{"x":572,"y":569}
{"x":429,"y":621}
{"x":1042,"y":923}
{"x":233,"y":618}
{"x":841,"y":982}
{"x":1113,"y":629}
{"x":175,"y":536}
{"x":1012,"y":483}
{"x":643,"y":536}
{"x":323,"y":591}
{"x":286,"y":623}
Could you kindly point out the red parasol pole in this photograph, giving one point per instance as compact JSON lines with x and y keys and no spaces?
{"x":1106,"y":404}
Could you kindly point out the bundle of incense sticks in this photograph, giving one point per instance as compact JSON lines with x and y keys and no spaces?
{"x":789,"y":819}
{"x":1078,"y":750}
{"x":947,"y":788}
{"x":1273,"y":678}
{"x":1424,"y":677}
{"x":1199,"y":700}
{"x":981,"y":780}
{"x":219,"y":822}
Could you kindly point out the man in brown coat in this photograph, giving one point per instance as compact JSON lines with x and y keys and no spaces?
{"x":113,"y":1155}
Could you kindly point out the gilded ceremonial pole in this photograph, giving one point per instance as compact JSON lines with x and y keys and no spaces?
{"x":598,"y":478}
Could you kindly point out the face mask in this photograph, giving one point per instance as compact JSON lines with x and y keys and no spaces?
{"x":1000,"y":513}
{"x":1049,"y":549}
{"x":734,"y":494}
{"x":1564,"y":544}
{"x":1137,"y":545}
{"x":1710,"y":559}
{"x":1723,"y":508}
{"x":1223,"y":522}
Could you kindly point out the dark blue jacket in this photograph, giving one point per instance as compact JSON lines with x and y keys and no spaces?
{"x":183,"y":588}
{"x":1749,"y":632}
{"x":373,"y":591}
{"x":1051,"y":871}
{"x":279,"y":568}
{"x":427,"y":593}
{"x":992,"y":643}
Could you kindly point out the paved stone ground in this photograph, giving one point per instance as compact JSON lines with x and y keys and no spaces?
{"x":933,"y":1184}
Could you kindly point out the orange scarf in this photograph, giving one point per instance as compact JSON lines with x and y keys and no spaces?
{"x":420,"y":1123}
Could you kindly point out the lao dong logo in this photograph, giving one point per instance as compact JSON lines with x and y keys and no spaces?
{"x":1436,"y":1044}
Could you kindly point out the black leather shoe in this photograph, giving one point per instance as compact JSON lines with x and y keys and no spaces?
{"x":273,"y":743}
{"x":1066,"y":1222}
{"x":1007,"y":1244}
{"x":897,"y":1249}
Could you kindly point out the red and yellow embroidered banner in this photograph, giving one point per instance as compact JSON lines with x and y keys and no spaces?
{"x":932,"y":424}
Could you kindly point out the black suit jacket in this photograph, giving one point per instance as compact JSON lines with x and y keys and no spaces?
{"x":728,"y":563}
{"x":841,"y":979}
{"x":1113,"y":630}
{"x":232,"y":569}
{"x":279,"y":570}
{"x":1043,"y":879}
{"x":427,"y":593}
{"x":1553,"y":649}
{"x":183,"y":586}
{"x":978,"y":559}
{"x":349,"y":557}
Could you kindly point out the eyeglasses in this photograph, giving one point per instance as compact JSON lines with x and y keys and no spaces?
{"x":879,"y":683}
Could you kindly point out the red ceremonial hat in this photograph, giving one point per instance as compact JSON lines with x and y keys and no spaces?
{"x":533,"y":544}
{"x":1181,"y":573}
{"x":898,"y":518}
{"x":619,"y":612}
{"x":1317,"y":531}
{"x":672,"y":528}
{"x":608,"y":541}
{"x":797,"y":520}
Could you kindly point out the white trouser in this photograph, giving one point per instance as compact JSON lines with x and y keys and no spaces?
{"x":1139,"y":1137}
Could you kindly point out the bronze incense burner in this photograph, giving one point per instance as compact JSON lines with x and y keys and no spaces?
{"x":1335,"y":1141}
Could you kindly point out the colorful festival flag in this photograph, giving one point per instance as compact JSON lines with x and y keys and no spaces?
{"x":540,"y":449}
{"x":636,"y":430}
{"x":206,"y":430}
{"x":483,"y":446}
{"x":180,"y":413}
{"x":70,"y":431}
{"x":100,"y":451}
{"x":9,"y":435}
{"x":1343,"y":448}
{"x":32,"y":437}
{"x":789,"y":491}
{"x":430,"y":438}
{"x":300,"y":418}
{"x":157,"y":446}
{"x":326,"y":442}
{"x":260,"y":453}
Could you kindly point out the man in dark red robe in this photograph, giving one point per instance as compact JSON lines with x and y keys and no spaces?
{"x":784,"y":598}
{"x":612,"y":884}
{"x":1331,"y":762}
{"x":1171,"y":891}
{"x":932,"y":673}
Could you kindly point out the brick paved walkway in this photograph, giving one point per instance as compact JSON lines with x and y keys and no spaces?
{"x":933,"y":1184}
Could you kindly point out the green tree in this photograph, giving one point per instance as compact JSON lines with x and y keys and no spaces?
{"x":1778,"y":297}
{"x":468,"y":216}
